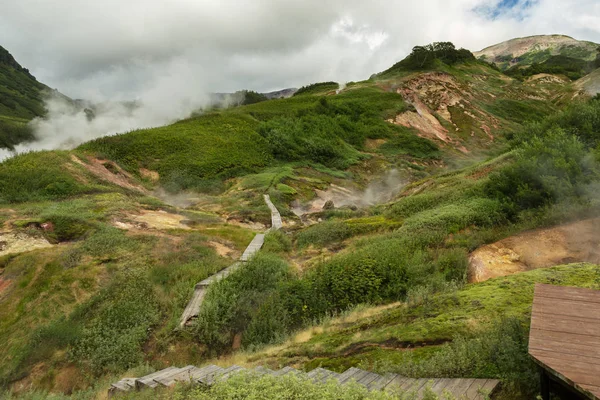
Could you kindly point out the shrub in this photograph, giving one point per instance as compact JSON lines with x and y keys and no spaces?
{"x":277,"y":242}
{"x":551,"y":168}
{"x":247,"y":386}
{"x":323,"y":234}
{"x":118,"y":321}
{"x":499,"y":352}
{"x":232,"y":303}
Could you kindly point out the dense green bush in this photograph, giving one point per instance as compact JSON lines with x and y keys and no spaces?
{"x":231,"y":304}
{"x":252,"y":97}
{"x":581,"y":119}
{"x":313,"y":137}
{"x":409,"y":143}
{"x":551,"y":168}
{"x":277,"y":242}
{"x":332,"y":133}
{"x":323,"y":234}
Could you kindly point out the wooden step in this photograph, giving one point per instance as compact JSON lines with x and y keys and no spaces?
{"x":351,"y":374}
{"x":169,"y":378}
{"x":368,"y":378}
{"x":124,"y":385}
{"x":208,"y":375}
{"x":382,"y":382}
{"x":230,"y":371}
{"x":253,"y":248}
{"x":148,"y":380}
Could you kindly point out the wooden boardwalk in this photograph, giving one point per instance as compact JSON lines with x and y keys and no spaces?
{"x":193,"y":307}
{"x":565,"y":338}
{"x":276,"y":222}
{"x":462,"y":389}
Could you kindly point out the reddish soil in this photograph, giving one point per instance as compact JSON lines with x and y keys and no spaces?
{"x":109,"y":172}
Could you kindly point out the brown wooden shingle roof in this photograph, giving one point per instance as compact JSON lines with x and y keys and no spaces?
{"x":565,"y":336}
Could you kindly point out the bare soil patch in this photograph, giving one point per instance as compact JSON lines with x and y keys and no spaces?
{"x":110,"y":172}
{"x":541,"y":248}
{"x":12,"y":243}
{"x":161,"y":220}
{"x":224,"y":250}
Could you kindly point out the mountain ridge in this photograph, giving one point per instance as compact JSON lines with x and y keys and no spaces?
{"x":536,"y":49}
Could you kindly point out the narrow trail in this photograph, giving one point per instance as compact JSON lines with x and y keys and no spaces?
{"x":193,"y":308}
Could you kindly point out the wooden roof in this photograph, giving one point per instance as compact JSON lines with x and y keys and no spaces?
{"x":565,"y":336}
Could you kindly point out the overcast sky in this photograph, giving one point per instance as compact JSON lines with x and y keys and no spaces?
{"x":124,"y":49}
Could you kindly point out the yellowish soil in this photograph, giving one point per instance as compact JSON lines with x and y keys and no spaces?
{"x":161,"y":220}
{"x":224,"y":250}
{"x":253,"y":226}
{"x":12,"y":243}
{"x":374,"y":144}
{"x":542,"y":248}
{"x":152,"y":175}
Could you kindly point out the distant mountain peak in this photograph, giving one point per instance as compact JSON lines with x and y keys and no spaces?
{"x":536,"y":49}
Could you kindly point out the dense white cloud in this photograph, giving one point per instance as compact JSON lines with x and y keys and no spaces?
{"x":121,"y":47}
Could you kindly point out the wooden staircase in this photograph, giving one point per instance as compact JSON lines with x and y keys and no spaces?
{"x":464,"y":389}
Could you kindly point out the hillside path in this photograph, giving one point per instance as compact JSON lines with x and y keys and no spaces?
{"x":193,"y":308}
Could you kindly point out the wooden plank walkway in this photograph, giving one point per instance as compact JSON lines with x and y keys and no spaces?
{"x":276,"y":222}
{"x":193,"y":307}
{"x":461,"y":388}
{"x":253,"y":248}
{"x":565,"y":337}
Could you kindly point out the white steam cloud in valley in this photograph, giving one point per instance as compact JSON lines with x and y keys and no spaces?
{"x":174,"y":95}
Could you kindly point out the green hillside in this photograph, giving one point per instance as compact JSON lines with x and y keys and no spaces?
{"x":21,"y":99}
{"x":424,"y":163}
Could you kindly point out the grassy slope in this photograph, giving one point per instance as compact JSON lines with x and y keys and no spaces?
{"x":57,"y":295}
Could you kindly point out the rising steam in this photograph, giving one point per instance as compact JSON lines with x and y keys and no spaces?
{"x":172,"y":95}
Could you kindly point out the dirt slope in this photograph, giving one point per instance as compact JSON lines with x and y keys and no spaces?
{"x":445,"y":109}
{"x":590,"y":83}
{"x":541,"y":248}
